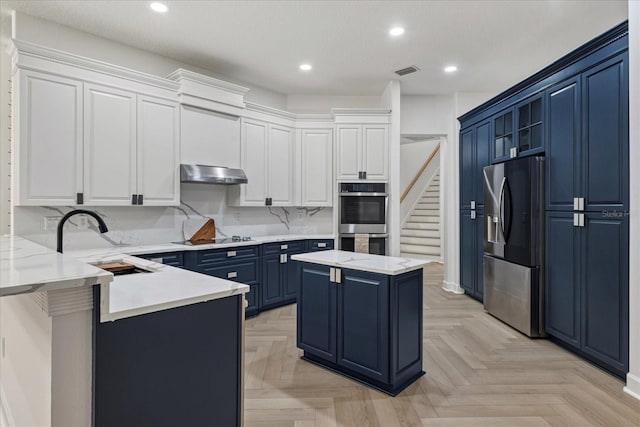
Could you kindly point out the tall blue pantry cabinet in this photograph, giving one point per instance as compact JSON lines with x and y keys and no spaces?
{"x":575,"y":113}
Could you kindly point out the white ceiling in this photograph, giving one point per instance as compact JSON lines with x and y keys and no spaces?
{"x":495,"y":44}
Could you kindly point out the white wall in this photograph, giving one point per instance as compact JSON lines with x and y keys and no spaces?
{"x":5,"y":169}
{"x":412,"y":157}
{"x":426,"y":114}
{"x":633,"y":377}
{"x":304,"y":104}
{"x":391,"y":99}
{"x":50,"y":34}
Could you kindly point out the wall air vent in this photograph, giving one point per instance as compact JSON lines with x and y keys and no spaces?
{"x":408,"y":70}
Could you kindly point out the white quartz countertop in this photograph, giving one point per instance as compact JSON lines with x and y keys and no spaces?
{"x":163,"y":287}
{"x":27,"y":267}
{"x":365,"y":262}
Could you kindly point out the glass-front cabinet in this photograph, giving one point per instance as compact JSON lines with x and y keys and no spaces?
{"x":503,"y":140}
{"x":529,"y":115}
{"x":518,"y":130}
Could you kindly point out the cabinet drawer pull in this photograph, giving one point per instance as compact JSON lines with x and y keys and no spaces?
{"x":232,"y":275}
{"x":322,"y":245}
{"x":332,"y":275}
{"x":284,"y":247}
{"x":338,"y":275}
{"x":231,"y":254}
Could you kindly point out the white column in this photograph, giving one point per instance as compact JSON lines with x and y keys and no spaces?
{"x":633,"y":377}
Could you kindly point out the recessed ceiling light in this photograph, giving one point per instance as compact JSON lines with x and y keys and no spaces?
{"x":159,"y":7}
{"x":450,"y":69}
{"x":397,"y":31}
{"x":305,"y":67}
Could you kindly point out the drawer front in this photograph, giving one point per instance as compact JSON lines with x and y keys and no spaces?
{"x":320,"y":245}
{"x":283,"y":247}
{"x":174,"y":259}
{"x":242,"y":272}
{"x":226,"y":254}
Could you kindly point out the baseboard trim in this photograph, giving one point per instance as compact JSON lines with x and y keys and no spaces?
{"x":6,"y":412}
{"x":633,"y":386}
{"x":454,"y":288}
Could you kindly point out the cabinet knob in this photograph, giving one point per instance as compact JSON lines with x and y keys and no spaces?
{"x":284,"y":247}
{"x":231,"y":254}
{"x":232,"y":275}
{"x":80,"y":198}
{"x":134,"y":199}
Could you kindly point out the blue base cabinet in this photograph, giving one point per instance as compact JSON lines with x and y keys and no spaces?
{"x":363,"y":325}
{"x":587,"y":287}
{"x":240,"y":264}
{"x":279,"y":284}
{"x":175,"y":367}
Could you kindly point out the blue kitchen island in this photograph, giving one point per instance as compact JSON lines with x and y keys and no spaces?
{"x":360,"y":315}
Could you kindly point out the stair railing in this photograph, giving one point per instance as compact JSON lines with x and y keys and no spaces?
{"x":420,"y":172}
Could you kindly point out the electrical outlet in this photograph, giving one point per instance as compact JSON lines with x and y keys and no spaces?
{"x":83,"y":222}
{"x":236,"y":216}
{"x":51,"y":222}
{"x":300,"y":215}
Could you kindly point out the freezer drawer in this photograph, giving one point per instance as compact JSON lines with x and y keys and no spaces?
{"x":515,"y":295}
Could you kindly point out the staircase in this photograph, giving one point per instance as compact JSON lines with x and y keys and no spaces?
{"x":420,"y":235}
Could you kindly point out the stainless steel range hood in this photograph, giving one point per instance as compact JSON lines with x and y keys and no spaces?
{"x":211,"y":174}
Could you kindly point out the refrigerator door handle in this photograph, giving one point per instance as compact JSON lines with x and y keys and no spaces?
{"x":501,"y":207}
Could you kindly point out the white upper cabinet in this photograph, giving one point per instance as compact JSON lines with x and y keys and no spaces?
{"x":267,"y":158}
{"x":316,"y":152}
{"x":209,"y":138}
{"x":375,"y":156}
{"x":48,"y":132}
{"x":349,"y":158}
{"x":254,"y":163}
{"x":158,"y":152}
{"x":362,"y":152}
{"x":109,"y":145}
{"x":280,"y":165}
{"x":101,"y":135}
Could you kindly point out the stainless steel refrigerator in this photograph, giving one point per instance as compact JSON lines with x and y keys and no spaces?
{"x":514,"y":243}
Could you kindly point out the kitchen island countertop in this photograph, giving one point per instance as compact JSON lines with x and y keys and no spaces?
{"x":391,"y":266}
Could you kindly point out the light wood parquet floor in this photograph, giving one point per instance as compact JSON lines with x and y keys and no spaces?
{"x":479,"y":372}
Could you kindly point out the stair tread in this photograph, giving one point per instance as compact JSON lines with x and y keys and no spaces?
{"x":428,"y":250}
{"x":422,"y":225}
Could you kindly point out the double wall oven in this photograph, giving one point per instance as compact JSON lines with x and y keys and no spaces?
{"x":362,"y":214}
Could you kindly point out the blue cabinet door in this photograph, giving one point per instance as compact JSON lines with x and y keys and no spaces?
{"x":467,"y":167}
{"x":290,"y":278}
{"x":562,"y":292}
{"x":271,"y":286}
{"x":479,"y":254}
{"x":363,"y":323}
{"x":482,"y":157}
{"x":605,"y":296}
{"x":605,"y":128}
{"x":563,"y":144}
{"x":316,"y":311}
{"x":467,"y":252}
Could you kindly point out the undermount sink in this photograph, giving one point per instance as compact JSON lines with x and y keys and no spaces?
{"x":122,"y":268}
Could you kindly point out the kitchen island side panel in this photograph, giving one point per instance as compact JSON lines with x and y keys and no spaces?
{"x":180,"y":366}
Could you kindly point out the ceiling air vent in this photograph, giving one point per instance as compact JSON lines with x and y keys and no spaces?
{"x":408,"y":70}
